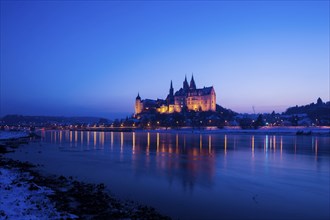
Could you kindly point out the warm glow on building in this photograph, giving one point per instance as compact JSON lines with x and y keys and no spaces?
{"x":188,"y":97}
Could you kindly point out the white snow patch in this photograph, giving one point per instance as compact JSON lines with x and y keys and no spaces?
{"x":17,"y":201}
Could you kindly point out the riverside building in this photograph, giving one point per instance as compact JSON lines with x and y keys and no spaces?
{"x":188,"y":97}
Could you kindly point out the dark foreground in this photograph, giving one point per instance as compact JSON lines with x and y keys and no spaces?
{"x":71,"y":198}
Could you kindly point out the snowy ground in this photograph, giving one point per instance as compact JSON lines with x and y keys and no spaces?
{"x":20,"y":198}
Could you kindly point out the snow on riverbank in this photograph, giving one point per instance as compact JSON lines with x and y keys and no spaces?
{"x":22,"y":199}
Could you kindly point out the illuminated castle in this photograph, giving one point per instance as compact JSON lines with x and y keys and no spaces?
{"x":188,"y":97}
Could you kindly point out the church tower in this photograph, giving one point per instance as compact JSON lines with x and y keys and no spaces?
{"x":171,"y":89}
{"x":170,"y":97}
{"x":192,"y":83}
{"x":185,"y":84}
{"x":138,"y":105}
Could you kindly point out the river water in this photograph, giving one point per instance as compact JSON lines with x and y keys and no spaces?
{"x":197,"y":176}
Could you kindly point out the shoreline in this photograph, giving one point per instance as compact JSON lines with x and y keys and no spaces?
{"x":26,"y":193}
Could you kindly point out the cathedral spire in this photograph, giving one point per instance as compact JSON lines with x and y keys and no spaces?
{"x":170,"y":97}
{"x":192,"y":83}
{"x":138,"y":96}
{"x":171,"y":89}
{"x":185,"y":83}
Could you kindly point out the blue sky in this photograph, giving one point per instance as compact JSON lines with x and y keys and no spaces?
{"x":91,"y":58}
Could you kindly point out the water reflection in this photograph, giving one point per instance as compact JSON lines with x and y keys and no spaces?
{"x":252,"y":145}
{"x":160,"y":141}
{"x":210,"y":144}
{"x":315,"y":146}
{"x":281,"y":146}
{"x":133,"y":142}
{"x":88,"y":136}
{"x":111,"y":139}
{"x":189,"y":158}
{"x":148,"y":144}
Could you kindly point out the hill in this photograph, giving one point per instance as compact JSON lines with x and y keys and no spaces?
{"x":318,"y":112}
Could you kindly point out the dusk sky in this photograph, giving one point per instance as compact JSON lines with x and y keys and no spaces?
{"x":82,"y":58}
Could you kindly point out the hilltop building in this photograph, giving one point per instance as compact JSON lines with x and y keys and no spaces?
{"x":188,"y":97}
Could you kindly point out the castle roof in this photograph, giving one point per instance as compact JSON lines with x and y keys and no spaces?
{"x":149,"y":103}
{"x":206,"y":90}
{"x":199,"y":92}
{"x":180,"y":92}
{"x":153,"y":103}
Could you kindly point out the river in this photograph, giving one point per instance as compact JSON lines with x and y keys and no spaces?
{"x":197,"y":176}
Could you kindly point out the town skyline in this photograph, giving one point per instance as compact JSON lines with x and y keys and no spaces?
{"x":92,"y":58}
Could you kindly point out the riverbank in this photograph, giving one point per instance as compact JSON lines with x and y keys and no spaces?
{"x":27,"y":194}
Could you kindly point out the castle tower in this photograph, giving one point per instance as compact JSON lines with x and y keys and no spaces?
{"x":170,"y":97}
{"x":138,"y":105}
{"x":171,"y":89}
{"x":192,"y":83}
{"x":185,"y":84}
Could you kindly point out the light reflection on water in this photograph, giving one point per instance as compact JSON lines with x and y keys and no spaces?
{"x":270,"y":142}
{"x":167,"y":148}
{"x":204,"y":176}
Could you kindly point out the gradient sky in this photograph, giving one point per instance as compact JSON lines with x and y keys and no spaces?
{"x":92,"y":58}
